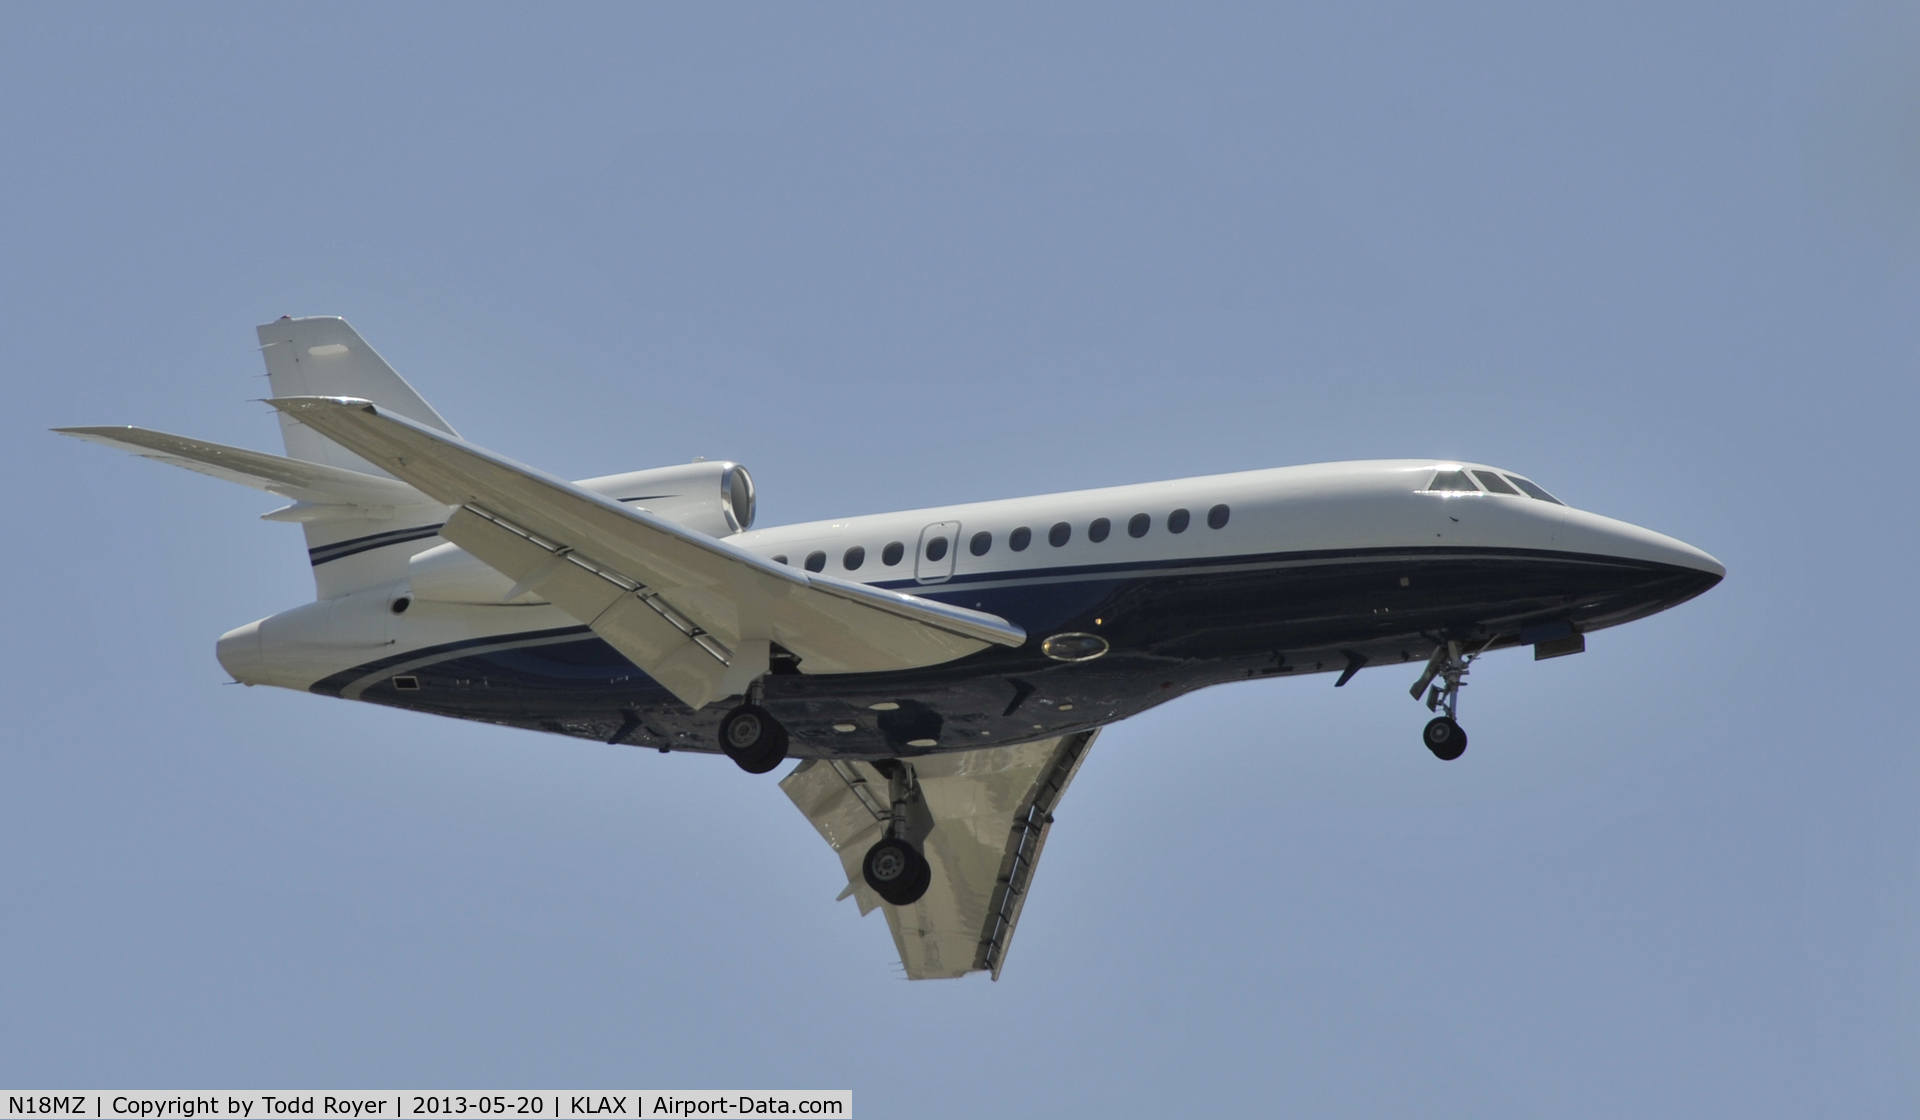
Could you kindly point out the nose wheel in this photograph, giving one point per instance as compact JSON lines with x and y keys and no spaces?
{"x":753,"y":739}
{"x":1445,"y":738}
{"x":1443,"y":735}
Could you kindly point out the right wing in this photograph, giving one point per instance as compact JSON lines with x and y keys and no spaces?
{"x":290,"y":478}
{"x":991,"y":809}
{"x":694,"y":612}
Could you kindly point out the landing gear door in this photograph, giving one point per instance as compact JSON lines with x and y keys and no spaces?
{"x":939,"y":546}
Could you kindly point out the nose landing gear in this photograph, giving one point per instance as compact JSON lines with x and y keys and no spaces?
{"x":1443,"y":735}
{"x":1445,"y":738}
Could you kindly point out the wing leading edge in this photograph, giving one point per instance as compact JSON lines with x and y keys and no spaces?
{"x":693,"y":611}
{"x":991,"y":810}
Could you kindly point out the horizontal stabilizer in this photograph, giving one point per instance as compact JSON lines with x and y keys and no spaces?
{"x":991,"y":810}
{"x":693,"y":611}
{"x":290,"y":478}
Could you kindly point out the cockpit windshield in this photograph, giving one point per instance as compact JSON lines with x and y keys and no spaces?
{"x":1533,"y":490}
{"x":1494,"y":482}
{"x":1452,"y":480}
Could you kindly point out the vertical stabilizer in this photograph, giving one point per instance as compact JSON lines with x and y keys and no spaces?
{"x":323,"y":356}
{"x":353,"y":547}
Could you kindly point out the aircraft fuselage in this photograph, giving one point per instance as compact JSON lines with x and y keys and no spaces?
{"x":1169,"y":586}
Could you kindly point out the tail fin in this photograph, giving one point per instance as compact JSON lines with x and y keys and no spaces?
{"x":323,"y":356}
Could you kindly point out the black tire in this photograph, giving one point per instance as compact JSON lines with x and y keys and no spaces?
{"x":1445,"y":739}
{"x":896,"y":872}
{"x":921,"y":882}
{"x":753,"y":739}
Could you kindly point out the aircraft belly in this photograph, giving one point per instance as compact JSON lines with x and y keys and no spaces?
{"x":1169,"y":634}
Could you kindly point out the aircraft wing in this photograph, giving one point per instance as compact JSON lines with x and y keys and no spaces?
{"x":693,"y":611}
{"x":991,"y":810}
{"x":290,"y":478}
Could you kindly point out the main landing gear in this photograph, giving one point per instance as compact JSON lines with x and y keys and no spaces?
{"x":1443,"y":734}
{"x":894,"y":868}
{"x":753,"y":738}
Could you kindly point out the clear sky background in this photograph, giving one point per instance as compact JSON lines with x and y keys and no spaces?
{"x":1662,"y":257}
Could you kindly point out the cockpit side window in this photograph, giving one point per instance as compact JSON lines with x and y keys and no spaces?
{"x":1453,"y":480}
{"x":1533,"y":491}
{"x":1494,"y":483}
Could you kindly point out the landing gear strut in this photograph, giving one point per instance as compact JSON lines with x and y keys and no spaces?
{"x":753,"y":738}
{"x":894,"y":868}
{"x":1443,"y":735}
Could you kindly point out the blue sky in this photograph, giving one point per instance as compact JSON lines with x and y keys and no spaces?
{"x":1660,"y":257}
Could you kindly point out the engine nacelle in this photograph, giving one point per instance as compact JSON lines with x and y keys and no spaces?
{"x":711,"y":498}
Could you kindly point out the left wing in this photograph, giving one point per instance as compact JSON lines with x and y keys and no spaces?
{"x":991,"y":810}
{"x":694,"y":612}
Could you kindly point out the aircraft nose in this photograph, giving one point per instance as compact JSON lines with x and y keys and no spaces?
{"x":1604,"y":536}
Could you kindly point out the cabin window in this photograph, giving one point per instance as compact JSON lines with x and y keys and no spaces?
{"x":1494,"y":483}
{"x":1060,"y":534}
{"x":1020,"y":538}
{"x":1453,"y":481}
{"x":1098,"y":528}
{"x":893,"y":553}
{"x":1138,"y":525}
{"x":855,"y":557}
{"x":780,"y":559}
{"x":937,"y":548}
{"x":980,"y":543}
{"x":1533,"y":490}
{"x":1177,"y":521}
{"x":816,"y":561}
{"x":1217,"y":516}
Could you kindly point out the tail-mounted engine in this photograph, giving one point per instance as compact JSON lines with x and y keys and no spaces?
{"x":713,"y":498}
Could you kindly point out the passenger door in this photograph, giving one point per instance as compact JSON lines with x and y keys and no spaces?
{"x":939,"y":548}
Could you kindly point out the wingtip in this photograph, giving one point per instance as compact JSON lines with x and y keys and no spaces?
{"x":94,"y":431}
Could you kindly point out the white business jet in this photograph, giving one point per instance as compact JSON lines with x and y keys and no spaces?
{"x":940,"y":673}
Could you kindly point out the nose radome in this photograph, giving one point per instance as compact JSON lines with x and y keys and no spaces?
{"x":1604,"y":536}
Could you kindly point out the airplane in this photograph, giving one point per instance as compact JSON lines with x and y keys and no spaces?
{"x":940,"y":674}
